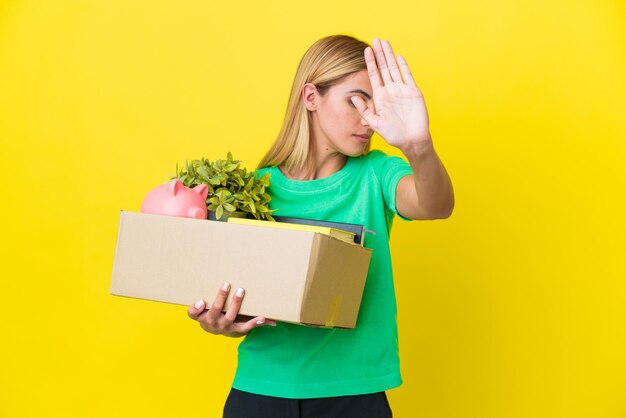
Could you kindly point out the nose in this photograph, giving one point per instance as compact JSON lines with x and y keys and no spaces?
{"x":364,"y":122}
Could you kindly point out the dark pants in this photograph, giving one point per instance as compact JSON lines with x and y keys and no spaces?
{"x":248,"y":405}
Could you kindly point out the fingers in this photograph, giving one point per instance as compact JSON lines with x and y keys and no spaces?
{"x":391,"y":62}
{"x":406,"y":72}
{"x":263,"y":321}
{"x":372,"y":69}
{"x":196,"y":309}
{"x":381,"y":61}
{"x":235,"y":305}
{"x":366,"y":112}
{"x":215,"y":312}
{"x":382,"y":66}
{"x":245,"y":327}
{"x":230,"y":323}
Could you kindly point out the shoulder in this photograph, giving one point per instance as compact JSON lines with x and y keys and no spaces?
{"x":370,"y":160}
{"x":375,"y":154}
{"x":380,"y":162}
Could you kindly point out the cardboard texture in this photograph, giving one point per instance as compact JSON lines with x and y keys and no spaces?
{"x":292,"y":276}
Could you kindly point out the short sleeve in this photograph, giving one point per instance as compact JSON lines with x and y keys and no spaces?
{"x":389,"y":170}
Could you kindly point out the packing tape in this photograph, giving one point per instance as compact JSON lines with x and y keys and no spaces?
{"x":333,"y":311}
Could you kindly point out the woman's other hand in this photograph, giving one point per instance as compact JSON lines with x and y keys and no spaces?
{"x":230,"y":324}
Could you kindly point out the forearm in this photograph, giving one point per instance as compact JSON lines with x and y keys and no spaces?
{"x":434,"y":196}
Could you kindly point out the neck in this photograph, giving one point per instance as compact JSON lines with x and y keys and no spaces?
{"x":325,"y":163}
{"x":320,"y":170}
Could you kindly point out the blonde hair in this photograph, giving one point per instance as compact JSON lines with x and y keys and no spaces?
{"x":325,"y":63}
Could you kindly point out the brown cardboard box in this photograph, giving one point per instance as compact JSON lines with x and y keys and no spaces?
{"x":292,"y":276}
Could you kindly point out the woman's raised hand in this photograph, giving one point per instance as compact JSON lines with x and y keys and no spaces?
{"x":230,"y":324}
{"x":399,"y":112}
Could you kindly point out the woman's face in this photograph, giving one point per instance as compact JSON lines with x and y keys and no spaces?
{"x":336,"y":125}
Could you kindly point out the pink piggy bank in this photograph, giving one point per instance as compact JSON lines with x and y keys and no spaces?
{"x":175,"y":199}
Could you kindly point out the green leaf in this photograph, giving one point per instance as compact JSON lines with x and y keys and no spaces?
{"x":204,"y":173}
{"x":249,"y":184}
{"x":222,"y":193}
{"x":219,"y":212}
{"x":229,"y":207}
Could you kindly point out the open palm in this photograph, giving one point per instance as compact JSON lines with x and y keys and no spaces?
{"x":399,"y":112}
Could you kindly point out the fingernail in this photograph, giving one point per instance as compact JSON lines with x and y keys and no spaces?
{"x":199,"y":304}
{"x":239,"y":292}
{"x":226,"y":286}
{"x":260,"y":321}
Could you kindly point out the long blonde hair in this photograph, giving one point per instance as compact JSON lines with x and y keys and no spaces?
{"x":324,"y":64}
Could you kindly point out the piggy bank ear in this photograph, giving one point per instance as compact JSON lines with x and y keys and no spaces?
{"x":202,"y":190}
{"x":174,"y":187}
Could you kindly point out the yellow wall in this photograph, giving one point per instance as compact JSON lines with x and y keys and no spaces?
{"x":514,"y":307}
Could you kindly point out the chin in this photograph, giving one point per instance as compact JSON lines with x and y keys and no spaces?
{"x":356,"y":152}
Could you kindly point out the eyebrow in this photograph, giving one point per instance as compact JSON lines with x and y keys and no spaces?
{"x":360,"y":92}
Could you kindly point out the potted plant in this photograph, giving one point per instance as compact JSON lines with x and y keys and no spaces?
{"x":232,"y":190}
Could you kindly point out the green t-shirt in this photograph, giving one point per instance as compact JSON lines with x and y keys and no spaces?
{"x":295,"y":361}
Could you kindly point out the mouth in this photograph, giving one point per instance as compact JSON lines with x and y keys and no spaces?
{"x":364,"y":139}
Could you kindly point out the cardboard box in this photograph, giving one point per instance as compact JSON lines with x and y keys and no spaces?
{"x":292,"y":276}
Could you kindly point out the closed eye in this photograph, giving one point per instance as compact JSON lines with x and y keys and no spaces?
{"x":362,"y":93}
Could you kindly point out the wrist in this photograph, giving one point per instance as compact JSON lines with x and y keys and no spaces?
{"x":418,"y":149}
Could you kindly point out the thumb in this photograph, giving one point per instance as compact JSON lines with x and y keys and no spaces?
{"x":366,"y":112}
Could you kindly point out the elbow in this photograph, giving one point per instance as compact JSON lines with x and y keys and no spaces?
{"x":446,"y":214}
{"x":443,"y":212}
{"x":444,"y":208}
{"x":441,"y":209}
{"x":448,"y":208}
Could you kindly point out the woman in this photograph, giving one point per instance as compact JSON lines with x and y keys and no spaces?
{"x":344,"y":90}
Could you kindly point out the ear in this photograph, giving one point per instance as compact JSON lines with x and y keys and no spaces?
{"x":202,"y":190}
{"x":174,"y":187}
{"x":310,"y":96}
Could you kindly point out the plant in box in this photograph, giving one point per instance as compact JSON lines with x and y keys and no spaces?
{"x":232,"y":190}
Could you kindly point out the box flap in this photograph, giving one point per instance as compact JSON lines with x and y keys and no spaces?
{"x":335,"y":285}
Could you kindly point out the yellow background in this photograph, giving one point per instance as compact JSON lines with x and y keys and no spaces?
{"x":514,"y":307}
